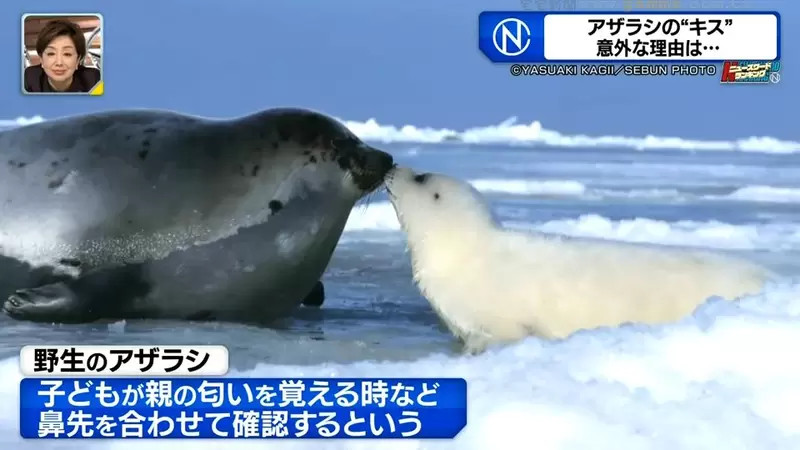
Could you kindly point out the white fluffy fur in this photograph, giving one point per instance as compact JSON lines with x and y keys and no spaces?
{"x":490,"y":284}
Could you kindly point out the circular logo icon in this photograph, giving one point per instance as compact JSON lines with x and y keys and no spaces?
{"x":774,"y":77}
{"x":511,"y":36}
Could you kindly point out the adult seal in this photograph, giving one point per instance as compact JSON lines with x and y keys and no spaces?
{"x":156,"y":214}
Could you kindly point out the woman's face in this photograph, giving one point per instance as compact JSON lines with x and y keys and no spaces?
{"x":60,"y":60}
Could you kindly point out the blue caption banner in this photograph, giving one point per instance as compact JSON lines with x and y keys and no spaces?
{"x":207,"y":408}
{"x":521,"y":37}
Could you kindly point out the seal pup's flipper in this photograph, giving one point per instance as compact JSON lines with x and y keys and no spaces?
{"x":316,"y":297}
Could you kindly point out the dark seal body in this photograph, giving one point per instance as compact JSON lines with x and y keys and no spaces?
{"x":155,"y":214}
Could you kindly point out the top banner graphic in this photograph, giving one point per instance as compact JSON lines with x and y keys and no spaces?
{"x":535,"y":37}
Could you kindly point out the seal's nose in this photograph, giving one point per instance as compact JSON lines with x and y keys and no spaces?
{"x":379,"y":161}
{"x":371,"y":167}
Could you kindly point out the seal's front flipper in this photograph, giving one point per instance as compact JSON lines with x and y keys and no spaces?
{"x":103,"y":294}
{"x":316,"y":297}
{"x":55,"y":302}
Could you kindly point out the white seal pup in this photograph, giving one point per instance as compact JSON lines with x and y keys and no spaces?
{"x":157,"y":214}
{"x":491,"y":285}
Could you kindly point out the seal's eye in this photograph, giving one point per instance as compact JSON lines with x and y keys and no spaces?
{"x":341,"y":143}
{"x":436,"y":196}
{"x":421,"y":178}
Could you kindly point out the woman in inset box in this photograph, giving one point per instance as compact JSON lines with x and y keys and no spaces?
{"x":62,"y":49}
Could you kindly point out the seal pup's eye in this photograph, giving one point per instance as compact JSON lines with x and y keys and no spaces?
{"x":436,"y":196}
{"x":421,"y":178}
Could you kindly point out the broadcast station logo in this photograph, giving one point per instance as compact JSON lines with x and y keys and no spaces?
{"x":511,"y":36}
{"x":511,"y":33}
{"x":753,"y":72}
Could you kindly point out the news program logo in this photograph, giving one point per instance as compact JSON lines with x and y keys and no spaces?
{"x":754,"y":72}
{"x":508,"y":42}
{"x":511,"y":36}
